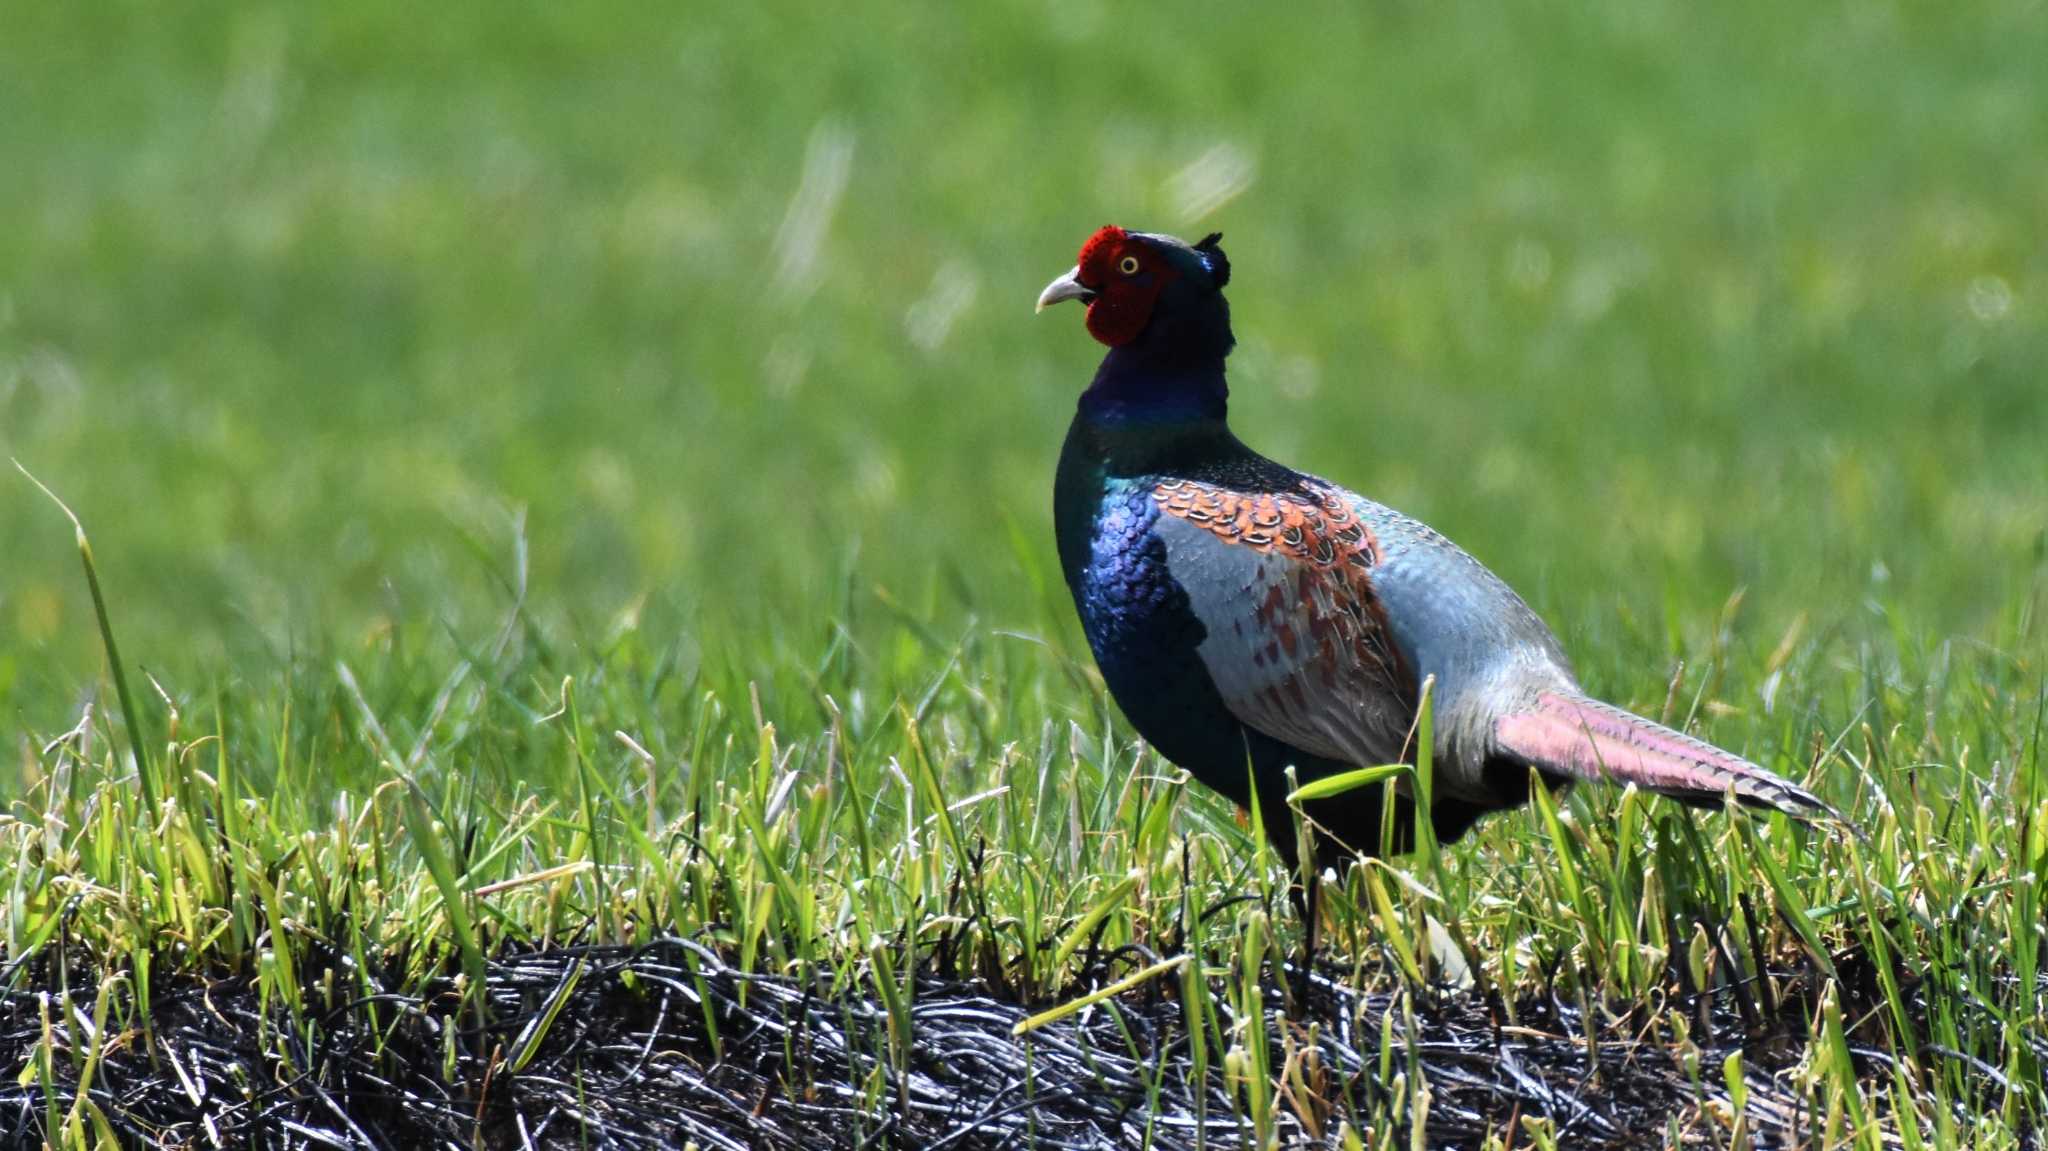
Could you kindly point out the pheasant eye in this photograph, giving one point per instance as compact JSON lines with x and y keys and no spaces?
{"x":1128,"y":265}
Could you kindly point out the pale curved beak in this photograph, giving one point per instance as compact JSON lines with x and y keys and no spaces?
{"x":1067,"y":287}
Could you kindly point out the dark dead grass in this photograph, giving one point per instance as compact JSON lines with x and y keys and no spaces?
{"x":666,"y":1045}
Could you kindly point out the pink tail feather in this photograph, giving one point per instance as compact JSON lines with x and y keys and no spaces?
{"x":1586,"y":739}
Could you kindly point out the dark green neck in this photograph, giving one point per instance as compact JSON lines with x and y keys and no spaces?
{"x":1121,"y":442}
{"x":1171,"y":376}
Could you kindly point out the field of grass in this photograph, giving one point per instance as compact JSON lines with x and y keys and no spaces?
{"x":573,"y":476}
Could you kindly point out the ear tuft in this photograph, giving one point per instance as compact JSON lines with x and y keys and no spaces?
{"x":1212,"y":256}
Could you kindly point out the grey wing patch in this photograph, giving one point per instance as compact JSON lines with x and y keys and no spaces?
{"x":1296,"y":649}
{"x":1451,"y":614}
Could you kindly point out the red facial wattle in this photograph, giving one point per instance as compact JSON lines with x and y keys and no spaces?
{"x":1126,"y":277}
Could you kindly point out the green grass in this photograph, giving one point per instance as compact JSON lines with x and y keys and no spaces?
{"x":517,"y":528}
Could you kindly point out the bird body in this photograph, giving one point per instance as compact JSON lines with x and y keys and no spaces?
{"x":1248,"y":617}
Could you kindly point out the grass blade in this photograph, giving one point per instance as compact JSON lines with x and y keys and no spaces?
{"x":1135,"y":979}
{"x":130,"y":718}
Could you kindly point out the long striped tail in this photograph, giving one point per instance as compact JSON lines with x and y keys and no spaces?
{"x":1583,"y":738}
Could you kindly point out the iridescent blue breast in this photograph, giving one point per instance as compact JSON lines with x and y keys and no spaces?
{"x":1125,"y":594}
{"x":1145,"y":634}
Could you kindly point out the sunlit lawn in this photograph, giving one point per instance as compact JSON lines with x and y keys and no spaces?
{"x":444,"y":397}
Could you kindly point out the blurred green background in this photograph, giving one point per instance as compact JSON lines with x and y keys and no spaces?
{"x":1643,"y":302}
